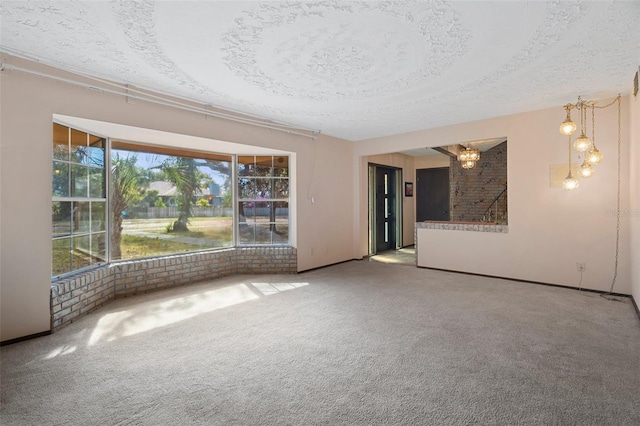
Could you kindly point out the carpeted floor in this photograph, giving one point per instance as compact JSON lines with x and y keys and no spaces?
{"x":360,"y":343}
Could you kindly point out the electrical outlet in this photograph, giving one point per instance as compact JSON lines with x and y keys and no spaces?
{"x":581,"y":266}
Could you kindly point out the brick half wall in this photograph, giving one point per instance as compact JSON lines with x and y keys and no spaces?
{"x":75,"y":296}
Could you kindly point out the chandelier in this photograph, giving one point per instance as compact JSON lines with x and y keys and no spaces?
{"x":583,"y":145}
{"x":468,"y":157}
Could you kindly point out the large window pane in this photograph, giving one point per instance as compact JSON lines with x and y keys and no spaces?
{"x":264,"y":166}
{"x":60,"y":142}
{"x":262,"y":219}
{"x":281,"y":189}
{"x":60,"y":179}
{"x":79,"y":182}
{"x":81,"y":252}
{"x":61,"y":218}
{"x":98,"y":216}
{"x":81,"y":217}
{"x":246,"y":233}
{"x":263,"y":189}
{"x":169,"y":203}
{"x":96,"y":151}
{"x":281,"y":166}
{"x":263,"y":233}
{"x":98,"y":247}
{"x":79,"y":148}
{"x":246,"y":166}
{"x":247,"y":188}
{"x":61,"y":256}
{"x":281,"y":234}
{"x":96,"y":183}
{"x":78,"y":175}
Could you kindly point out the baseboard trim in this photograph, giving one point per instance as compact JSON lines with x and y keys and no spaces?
{"x":23,"y":338}
{"x":635,"y":305}
{"x":569,"y":287}
{"x":327,"y":266}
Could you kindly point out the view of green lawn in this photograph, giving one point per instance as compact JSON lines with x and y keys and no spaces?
{"x":148,"y":237}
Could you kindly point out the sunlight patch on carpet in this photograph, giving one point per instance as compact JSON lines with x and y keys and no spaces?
{"x":273,"y":288}
{"x":144,"y":318}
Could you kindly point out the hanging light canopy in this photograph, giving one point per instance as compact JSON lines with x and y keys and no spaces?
{"x":584,"y":145}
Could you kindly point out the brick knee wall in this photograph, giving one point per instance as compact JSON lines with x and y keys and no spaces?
{"x":141,"y":276}
{"x":77,"y":295}
{"x":266,"y":260}
{"x":80,"y":294}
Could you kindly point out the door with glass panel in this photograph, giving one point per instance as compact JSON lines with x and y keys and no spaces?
{"x":384,"y":209}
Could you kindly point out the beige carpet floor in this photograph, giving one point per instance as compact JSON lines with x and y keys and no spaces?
{"x":360,"y":343}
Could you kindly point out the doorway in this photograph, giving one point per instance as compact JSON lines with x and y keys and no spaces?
{"x":432,"y":194}
{"x":385,"y":208}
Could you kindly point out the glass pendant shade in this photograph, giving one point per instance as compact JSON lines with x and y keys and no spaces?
{"x":594,"y":156}
{"x":468,"y":164}
{"x":468,"y":154}
{"x":570,"y":182}
{"x":586,"y":170}
{"x":582,"y":144}
{"x":568,"y":126}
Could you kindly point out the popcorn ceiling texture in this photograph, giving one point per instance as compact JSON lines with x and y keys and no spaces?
{"x":351,"y":69}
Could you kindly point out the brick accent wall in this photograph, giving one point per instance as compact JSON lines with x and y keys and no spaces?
{"x":77,"y":295}
{"x":473,"y":190}
{"x":266,"y":260}
{"x":141,"y":276}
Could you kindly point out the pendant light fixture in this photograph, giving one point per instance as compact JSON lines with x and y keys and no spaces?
{"x":592,"y":155}
{"x":570,"y":182}
{"x":468,"y":157}
{"x":568,"y":126}
{"x":582,"y":143}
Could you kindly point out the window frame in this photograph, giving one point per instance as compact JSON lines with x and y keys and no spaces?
{"x":107,"y":199}
{"x":71,"y":235}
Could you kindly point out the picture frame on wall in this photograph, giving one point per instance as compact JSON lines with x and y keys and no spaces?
{"x":408,"y":189}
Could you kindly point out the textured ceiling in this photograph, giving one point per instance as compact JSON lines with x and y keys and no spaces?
{"x":354,"y":70}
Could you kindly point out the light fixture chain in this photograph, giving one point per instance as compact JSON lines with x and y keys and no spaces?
{"x":593,"y":125}
{"x":615,"y":271}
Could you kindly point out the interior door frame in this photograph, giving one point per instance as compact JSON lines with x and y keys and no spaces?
{"x":399,"y":197}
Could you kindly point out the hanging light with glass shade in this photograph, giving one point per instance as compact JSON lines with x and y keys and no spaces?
{"x":582,"y":143}
{"x":568,"y":126}
{"x":468,"y":157}
{"x":570,"y":182}
{"x":586,"y":170}
{"x":592,"y":155}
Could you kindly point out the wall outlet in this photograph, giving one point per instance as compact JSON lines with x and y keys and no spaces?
{"x":581,"y":266}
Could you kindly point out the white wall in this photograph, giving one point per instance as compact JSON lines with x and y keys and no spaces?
{"x":405,"y":163}
{"x":431,"y":161}
{"x":550,"y":229}
{"x":634,"y":213}
{"x":28,"y":104}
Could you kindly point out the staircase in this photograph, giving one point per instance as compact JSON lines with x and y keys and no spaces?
{"x":497,"y":210}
